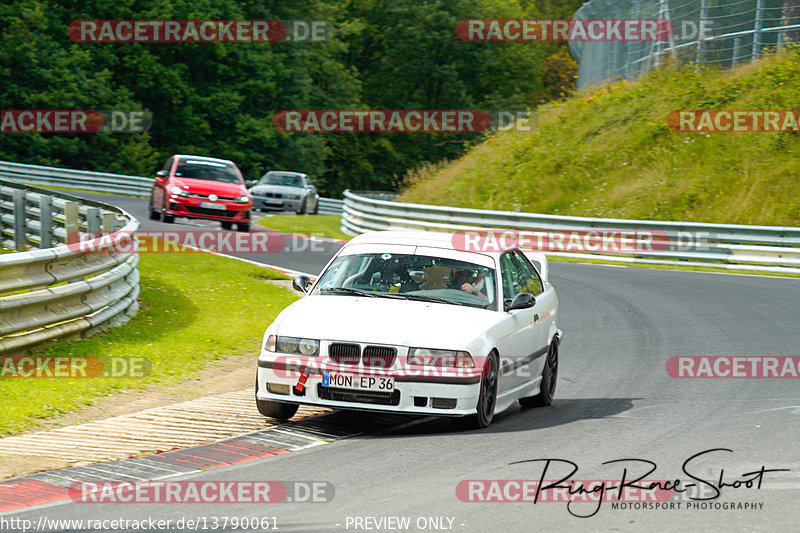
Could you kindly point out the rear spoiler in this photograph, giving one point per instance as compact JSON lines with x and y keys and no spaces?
{"x":539,"y":260}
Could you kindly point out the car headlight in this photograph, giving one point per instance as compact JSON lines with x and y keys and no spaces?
{"x":242,"y":199}
{"x":444,"y":358}
{"x":296,"y":345}
{"x":293,"y":196}
{"x":177,"y":191}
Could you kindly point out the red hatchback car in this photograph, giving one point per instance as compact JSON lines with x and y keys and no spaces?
{"x":201,"y":187}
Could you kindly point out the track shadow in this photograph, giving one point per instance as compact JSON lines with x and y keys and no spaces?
{"x":560,"y":413}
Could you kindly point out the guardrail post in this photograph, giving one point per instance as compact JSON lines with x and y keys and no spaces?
{"x":93,"y":219}
{"x":757,"y":29}
{"x":45,"y":221}
{"x":737,"y":43}
{"x":108,"y":221}
{"x":20,"y":227}
{"x":71,"y":219}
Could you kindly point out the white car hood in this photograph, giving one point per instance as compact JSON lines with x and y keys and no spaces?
{"x":384,"y":321}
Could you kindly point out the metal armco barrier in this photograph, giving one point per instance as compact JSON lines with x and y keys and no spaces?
{"x":76,"y":179}
{"x":330,"y":206}
{"x":84,"y":180}
{"x":733,"y":247}
{"x":49,"y":290}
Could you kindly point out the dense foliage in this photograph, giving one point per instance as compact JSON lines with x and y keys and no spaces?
{"x":219,"y":99}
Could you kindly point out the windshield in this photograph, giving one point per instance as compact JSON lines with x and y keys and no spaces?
{"x":197,"y":169}
{"x":289,"y":180}
{"x":412,"y":277}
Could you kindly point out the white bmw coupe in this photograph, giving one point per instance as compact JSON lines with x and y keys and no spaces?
{"x":407,"y":322}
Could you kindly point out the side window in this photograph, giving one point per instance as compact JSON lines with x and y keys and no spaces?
{"x":168,"y":165}
{"x":529,"y":278}
{"x":510,"y":276}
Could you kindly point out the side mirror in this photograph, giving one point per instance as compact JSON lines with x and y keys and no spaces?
{"x":523,"y":300}
{"x":162,"y":174}
{"x":301,"y":283}
{"x":250,"y":183}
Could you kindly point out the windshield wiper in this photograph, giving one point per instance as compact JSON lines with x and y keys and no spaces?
{"x":348,"y":290}
{"x":430,"y":299}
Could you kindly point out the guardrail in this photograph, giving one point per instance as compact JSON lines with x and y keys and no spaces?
{"x":51,"y":290}
{"x":76,"y":179}
{"x":330,"y":206}
{"x":84,"y":180}
{"x":733,"y":247}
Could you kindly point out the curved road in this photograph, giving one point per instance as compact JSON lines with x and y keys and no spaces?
{"x":615,"y":400}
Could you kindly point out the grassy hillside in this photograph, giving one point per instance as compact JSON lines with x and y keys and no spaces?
{"x":607,"y":152}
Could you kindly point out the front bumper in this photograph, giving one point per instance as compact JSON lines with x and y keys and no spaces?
{"x":276,"y":204}
{"x":416,"y":391}
{"x":191,"y":208}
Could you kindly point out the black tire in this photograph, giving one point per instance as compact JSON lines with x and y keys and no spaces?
{"x":303,"y":207}
{"x":316,"y":208}
{"x":488,"y":396}
{"x":227,"y":225}
{"x":547,"y":390}
{"x":169,"y":219}
{"x":279,"y":410}
{"x":154,"y":215}
{"x":242,"y":226}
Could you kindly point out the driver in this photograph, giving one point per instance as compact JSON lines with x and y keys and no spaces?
{"x":462,"y":280}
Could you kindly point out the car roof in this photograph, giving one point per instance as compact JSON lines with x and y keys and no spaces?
{"x":285,"y":172}
{"x":203,"y":158}
{"x":432,"y":239}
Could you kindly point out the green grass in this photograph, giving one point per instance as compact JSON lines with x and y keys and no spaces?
{"x":193,"y":309}
{"x":314,"y":225}
{"x":688,"y":267}
{"x":607,"y":152}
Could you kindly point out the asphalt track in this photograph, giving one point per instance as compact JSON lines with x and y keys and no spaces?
{"x":615,"y":400}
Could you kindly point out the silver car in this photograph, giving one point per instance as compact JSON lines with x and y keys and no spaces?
{"x":279,"y":190}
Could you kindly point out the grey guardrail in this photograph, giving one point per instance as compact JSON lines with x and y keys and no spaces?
{"x":330,"y":206}
{"x":75,"y":179}
{"x":84,"y":180}
{"x":50,"y":290}
{"x":734,"y":247}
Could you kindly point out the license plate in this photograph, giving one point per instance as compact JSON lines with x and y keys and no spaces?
{"x":356,"y":382}
{"x":277,"y":201}
{"x":212,"y":205}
